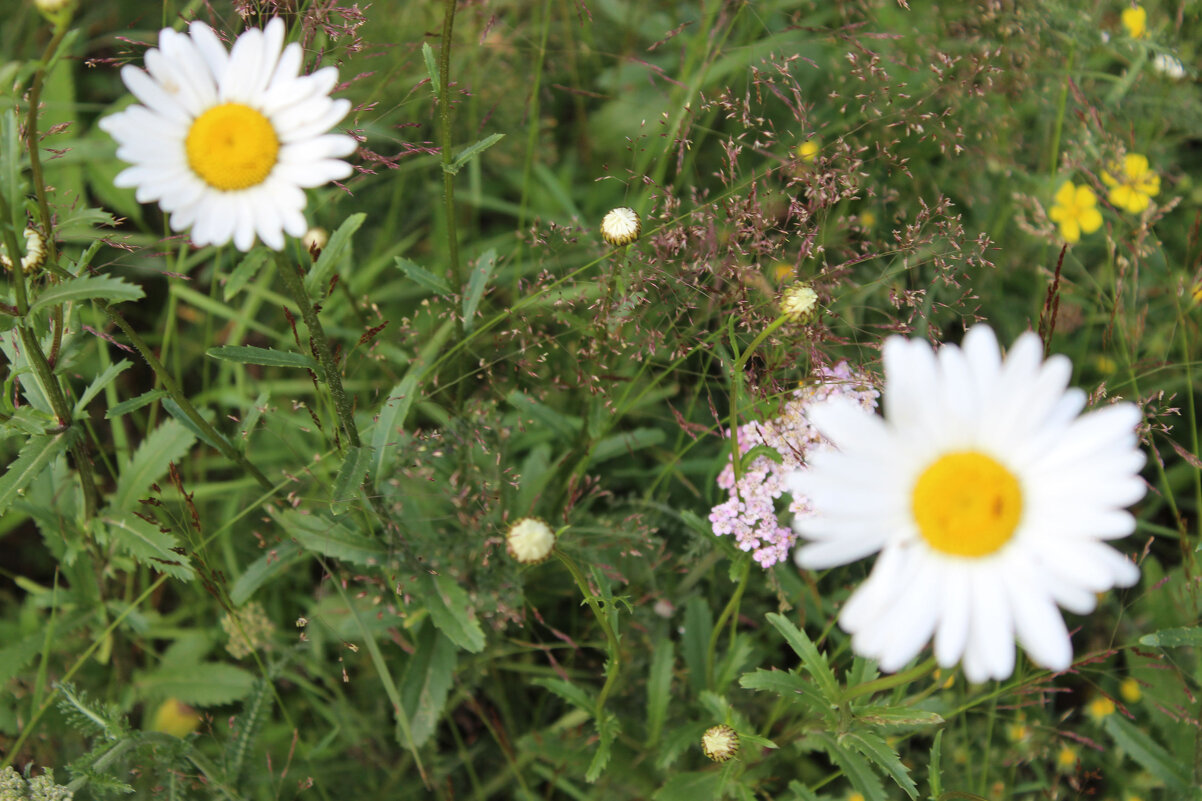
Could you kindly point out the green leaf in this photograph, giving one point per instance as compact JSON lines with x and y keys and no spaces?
{"x":814,"y":662}
{"x":608,"y":729}
{"x":880,"y":754}
{"x":87,"y":287}
{"x":1148,"y":753}
{"x":451,"y":611}
{"x":203,"y":684}
{"x":573,"y":694}
{"x":659,"y":688}
{"x":690,"y":787}
{"x":428,"y":679}
{"x":166,"y":444}
{"x":627,"y":442}
{"x":30,"y":462}
{"x":149,"y":545}
{"x":340,"y":242}
{"x":897,"y":716}
{"x":275,"y":562}
{"x":172,"y":408}
{"x":471,"y":151}
{"x":420,"y":275}
{"x":133,"y":404}
{"x":855,"y":767}
{"x":564,"y":426}
{"x":476,"y":286}
{"x":789,"y":686}
{"x":247,"y":269}
{"x":246,"y":354}
{"x":1173,"y":638}
{"x":698,"y":625}
{"x":431,"y":68}
{"x":350,"y":476}
{"x":934,"y":771}
{"x":331,"y":536}
{"x":99,"y":383}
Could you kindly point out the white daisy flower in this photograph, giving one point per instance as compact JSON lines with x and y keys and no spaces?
{"x":988,"y":496}
{"x":226,"y":142}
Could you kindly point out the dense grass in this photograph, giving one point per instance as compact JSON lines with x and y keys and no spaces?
{"x":323,"y":580}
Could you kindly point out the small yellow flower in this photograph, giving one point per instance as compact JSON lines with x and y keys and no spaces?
{"x":867,"y":219}
{"x":1135,"y":20}
{"x":1130,"y":690}
{"x":1017,"y":732}
{"x":808,"y":150}
{"x":621,"y":226}
{"x":1135,"y":185}
{"x":781,"y":271}
{"x":1100,"y":707}
{"x":798,"y":301}
{"x":1195,"y":292}
{"x":854,"y":796}
{"x":529,"y":541}
{"x":1075,"y":211}
{"x":720,"y":742}
{"x":1066,"y":758}
{"x":176,"y":718}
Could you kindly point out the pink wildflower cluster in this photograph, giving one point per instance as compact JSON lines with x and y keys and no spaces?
{"x":750,"y":514}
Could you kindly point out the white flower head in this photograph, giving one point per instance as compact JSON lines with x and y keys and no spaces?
{"x":621,"y":226}
{"x":798,"y":301}
{"x":720,"y":742}
{"x":1168,"y":66}
{"x":988,"y":496}
{"x":226,"y":142}
{"x":529,"y":540}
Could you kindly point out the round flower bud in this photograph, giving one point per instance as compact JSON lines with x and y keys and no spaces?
{"x":798,"y":302}
{"x":315,"y":240}
{"x":53,"y":9}
{"x":35,"y":252}
{"x":529,"y":541}
{"x":621,"y":226}
{"x":720,"y":742}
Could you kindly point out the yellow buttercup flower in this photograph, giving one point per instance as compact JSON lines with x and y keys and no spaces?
{"x":808,"y":150}
{"x":1135,"y":20}
{"x":1130,"y":690}
{"x":1075,"y":211}
{"x":1100,"y":707}
{"x":175,"y":718}
{"x":1134,"y":185}
{"x":1066,"y":759}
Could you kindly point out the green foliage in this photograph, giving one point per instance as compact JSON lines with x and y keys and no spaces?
{"x":166,"y":463}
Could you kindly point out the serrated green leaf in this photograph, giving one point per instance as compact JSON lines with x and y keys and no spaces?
{"x":1173,"y":638}
{"x":451,"y":611}
{"x":855,"y":768}
{"x":334,"y":537}
{"x":350,"y":475}
{"x":423,"y":277}
{"x":247,"y":269}
{"x":1148,"y":753}
{"x":150,"y":546}
{"x":428,"y":678}
{"x":814,"y":663}
{"x":99,"y":383}
{"x":268,"y":357}
{"x":789,"y":686}
{"x":573,"y":694}
{"x":607,"y":729}
{"x":172,"y":408}
{"x":275,"y":562}
{"x":30,"y":462}
{"x":476,"y":286}
{"x":897,"y":716}
{"x":934,"y":769}
{"x":133,"y":404}
{"x":203,"y":684}
{"x":471,"y":151}
{"x":86,"y":287}
{"x":332,"y":253}
{"x":878,"y":752}
{"x":431,"y":68}
{"x":166,"y":444}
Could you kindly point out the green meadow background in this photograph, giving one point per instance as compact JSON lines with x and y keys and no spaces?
{"x":218,"y":582}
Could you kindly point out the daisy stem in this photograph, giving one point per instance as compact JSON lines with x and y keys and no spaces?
{"x":611,"y":637}
{"x":728,"y":613}
{"x":342,"y":402}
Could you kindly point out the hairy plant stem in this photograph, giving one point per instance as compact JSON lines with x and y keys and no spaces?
{"x":611,"y":638}
{"x":730,"y":612}
{"x":342,"y":402}
{"x":448,"y":183}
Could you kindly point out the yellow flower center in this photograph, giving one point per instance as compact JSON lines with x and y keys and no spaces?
{"x":967,"y":504}
{"x":232,"y":146}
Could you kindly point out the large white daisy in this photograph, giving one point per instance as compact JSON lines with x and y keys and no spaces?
{"x":988,"y":496}
{"x":226,"y":142}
